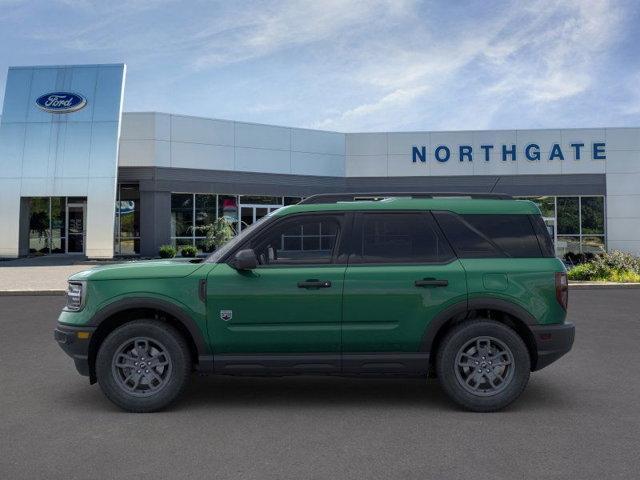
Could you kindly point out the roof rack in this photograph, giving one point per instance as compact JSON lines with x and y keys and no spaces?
{"x":358,"y":196}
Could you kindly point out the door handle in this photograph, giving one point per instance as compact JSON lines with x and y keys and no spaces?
{"x":314,"y":284}
{"x":431,"y":282}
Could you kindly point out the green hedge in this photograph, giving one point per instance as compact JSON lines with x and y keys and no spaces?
{"x":167,"y":251}
{"x":615,"y":266}
{"x":188,"y":251}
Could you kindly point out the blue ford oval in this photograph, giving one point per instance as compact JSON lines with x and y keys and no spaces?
{"x":61,"y":102}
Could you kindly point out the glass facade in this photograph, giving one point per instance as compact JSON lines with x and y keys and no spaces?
{"x":192,"y":210}
{"x":57,"y":225}
{"x":127,"y":220}
{"x":576,"y":224}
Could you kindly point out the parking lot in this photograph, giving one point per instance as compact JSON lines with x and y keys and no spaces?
{"x":579,"y":418}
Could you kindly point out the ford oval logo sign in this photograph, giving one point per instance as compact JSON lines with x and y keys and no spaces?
{"x":61,"y":102}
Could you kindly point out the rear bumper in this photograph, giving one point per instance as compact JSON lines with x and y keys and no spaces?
{"x":552,"y":342}
{"x":74,"y":345}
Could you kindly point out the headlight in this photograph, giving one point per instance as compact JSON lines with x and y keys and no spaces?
{"x":75,"y":296}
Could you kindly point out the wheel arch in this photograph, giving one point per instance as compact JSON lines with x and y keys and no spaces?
{"x":126,"y":310}
{"x":500,"y":310}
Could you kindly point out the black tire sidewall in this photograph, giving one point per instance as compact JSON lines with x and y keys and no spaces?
{"x":177,"y":349}
{"x":446,"y":358}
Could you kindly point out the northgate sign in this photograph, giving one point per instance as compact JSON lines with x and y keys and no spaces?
{"x":531,"y":152}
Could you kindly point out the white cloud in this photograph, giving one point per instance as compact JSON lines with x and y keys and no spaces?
{"x":533,"y":54}
{"x":348,"y":64}
{"x":550,"y":57}
{"x":262,"y":31}
{"x":398,"y":98}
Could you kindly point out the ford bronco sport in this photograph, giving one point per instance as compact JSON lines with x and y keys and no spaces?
{"x":462,"y":287}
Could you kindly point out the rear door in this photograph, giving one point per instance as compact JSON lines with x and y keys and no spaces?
{"x":401,"y":273}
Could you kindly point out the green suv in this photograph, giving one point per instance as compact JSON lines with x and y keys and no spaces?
{"x":462,"y":287}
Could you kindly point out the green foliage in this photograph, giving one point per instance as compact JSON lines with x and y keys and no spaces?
{"x":614,"y":266}
{"x":188,"y":251}
{"x":217,"y":233}
{"x":167,"y":251}
{"x":617,"y":260}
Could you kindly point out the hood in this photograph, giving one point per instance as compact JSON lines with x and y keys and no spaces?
{"x":139,"y":270}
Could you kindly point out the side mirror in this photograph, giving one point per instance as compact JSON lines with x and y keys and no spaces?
{"x":245,"y":260}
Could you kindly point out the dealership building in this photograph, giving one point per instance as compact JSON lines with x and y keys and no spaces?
{"x":80,"y":176}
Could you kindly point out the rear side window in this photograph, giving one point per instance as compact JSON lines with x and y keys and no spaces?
{"x":490,"y":236}
{"x":399,"y":238}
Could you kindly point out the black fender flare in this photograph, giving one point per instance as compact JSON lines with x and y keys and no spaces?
{"x":463,"y":308}
{"x":172,"y":309}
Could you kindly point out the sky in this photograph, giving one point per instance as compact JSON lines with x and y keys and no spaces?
{"x":348,"y":65}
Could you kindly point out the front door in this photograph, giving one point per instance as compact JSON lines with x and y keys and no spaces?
{"x":401,"y":273}
{"x":290,"y":305}
{"x":75,"y":227}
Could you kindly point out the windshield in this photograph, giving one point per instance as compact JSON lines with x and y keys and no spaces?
{"x":235,"y":241}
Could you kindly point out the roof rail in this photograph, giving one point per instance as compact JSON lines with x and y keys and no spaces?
{"x":356,"y":196}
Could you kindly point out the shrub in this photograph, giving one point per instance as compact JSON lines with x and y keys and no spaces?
{"x":617,"y":260}
{"x":578,"y":258}
{"x":581,"y":272}
{"x":624,"y":277}
{"x":217,"y":233}
{"x":614,"y":266}
{"x":188,"y":251}
{"x":167,"y":251}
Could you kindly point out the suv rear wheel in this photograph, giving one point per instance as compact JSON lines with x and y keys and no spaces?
{"x":483,"y":365}
{"x":143,"y":365}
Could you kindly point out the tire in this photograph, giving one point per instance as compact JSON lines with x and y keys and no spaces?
{"x":143,"y":366}
{"x":502,"y":360}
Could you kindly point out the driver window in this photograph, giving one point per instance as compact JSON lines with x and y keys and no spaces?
{"x":304,"y":240}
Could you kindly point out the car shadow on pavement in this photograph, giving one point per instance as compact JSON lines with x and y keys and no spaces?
{"x":222,"y":392}
{"x":311,"y":391}
{"x":330,"y":392}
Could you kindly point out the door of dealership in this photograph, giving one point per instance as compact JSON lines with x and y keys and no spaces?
{"x":76,"y":221}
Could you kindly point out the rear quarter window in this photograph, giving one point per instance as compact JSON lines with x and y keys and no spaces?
{"x":490,"y":235}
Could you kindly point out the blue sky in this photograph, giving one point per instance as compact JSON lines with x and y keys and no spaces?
{"x":369,"y":65}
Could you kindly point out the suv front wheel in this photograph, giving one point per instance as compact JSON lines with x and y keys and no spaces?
{"x":143,"y":366}
{"x":483,"y":365}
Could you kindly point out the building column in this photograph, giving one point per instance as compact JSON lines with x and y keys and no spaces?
{"x":9,"y":217}
{"x":101,"y":213}
{"x":155,"y":221}
{"x":623,"y":190}
{"x":25,"y":217}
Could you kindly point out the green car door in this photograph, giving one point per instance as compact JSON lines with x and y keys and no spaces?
{"x":401,"y":273}
{"x":292,"y":302}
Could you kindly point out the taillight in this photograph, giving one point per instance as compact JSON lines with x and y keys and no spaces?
{"x":562,"y":289}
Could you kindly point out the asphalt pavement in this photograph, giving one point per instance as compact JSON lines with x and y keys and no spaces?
{"x":578,"y":418}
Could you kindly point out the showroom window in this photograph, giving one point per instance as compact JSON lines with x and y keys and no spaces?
{"x":57,"y":225}
{"x":576,"y":223}
{"x":189,"y":211}
{"x":127,"y":220}
{"x":192,"y":210}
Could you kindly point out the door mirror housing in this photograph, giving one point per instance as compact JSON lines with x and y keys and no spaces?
{"x":244,"y":260}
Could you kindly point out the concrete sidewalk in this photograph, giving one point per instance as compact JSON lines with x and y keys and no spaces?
{"x":40,"y":275}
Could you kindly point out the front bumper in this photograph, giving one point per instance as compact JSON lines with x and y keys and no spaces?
{"x":75,"y":343}
{"x":552,"y":342}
